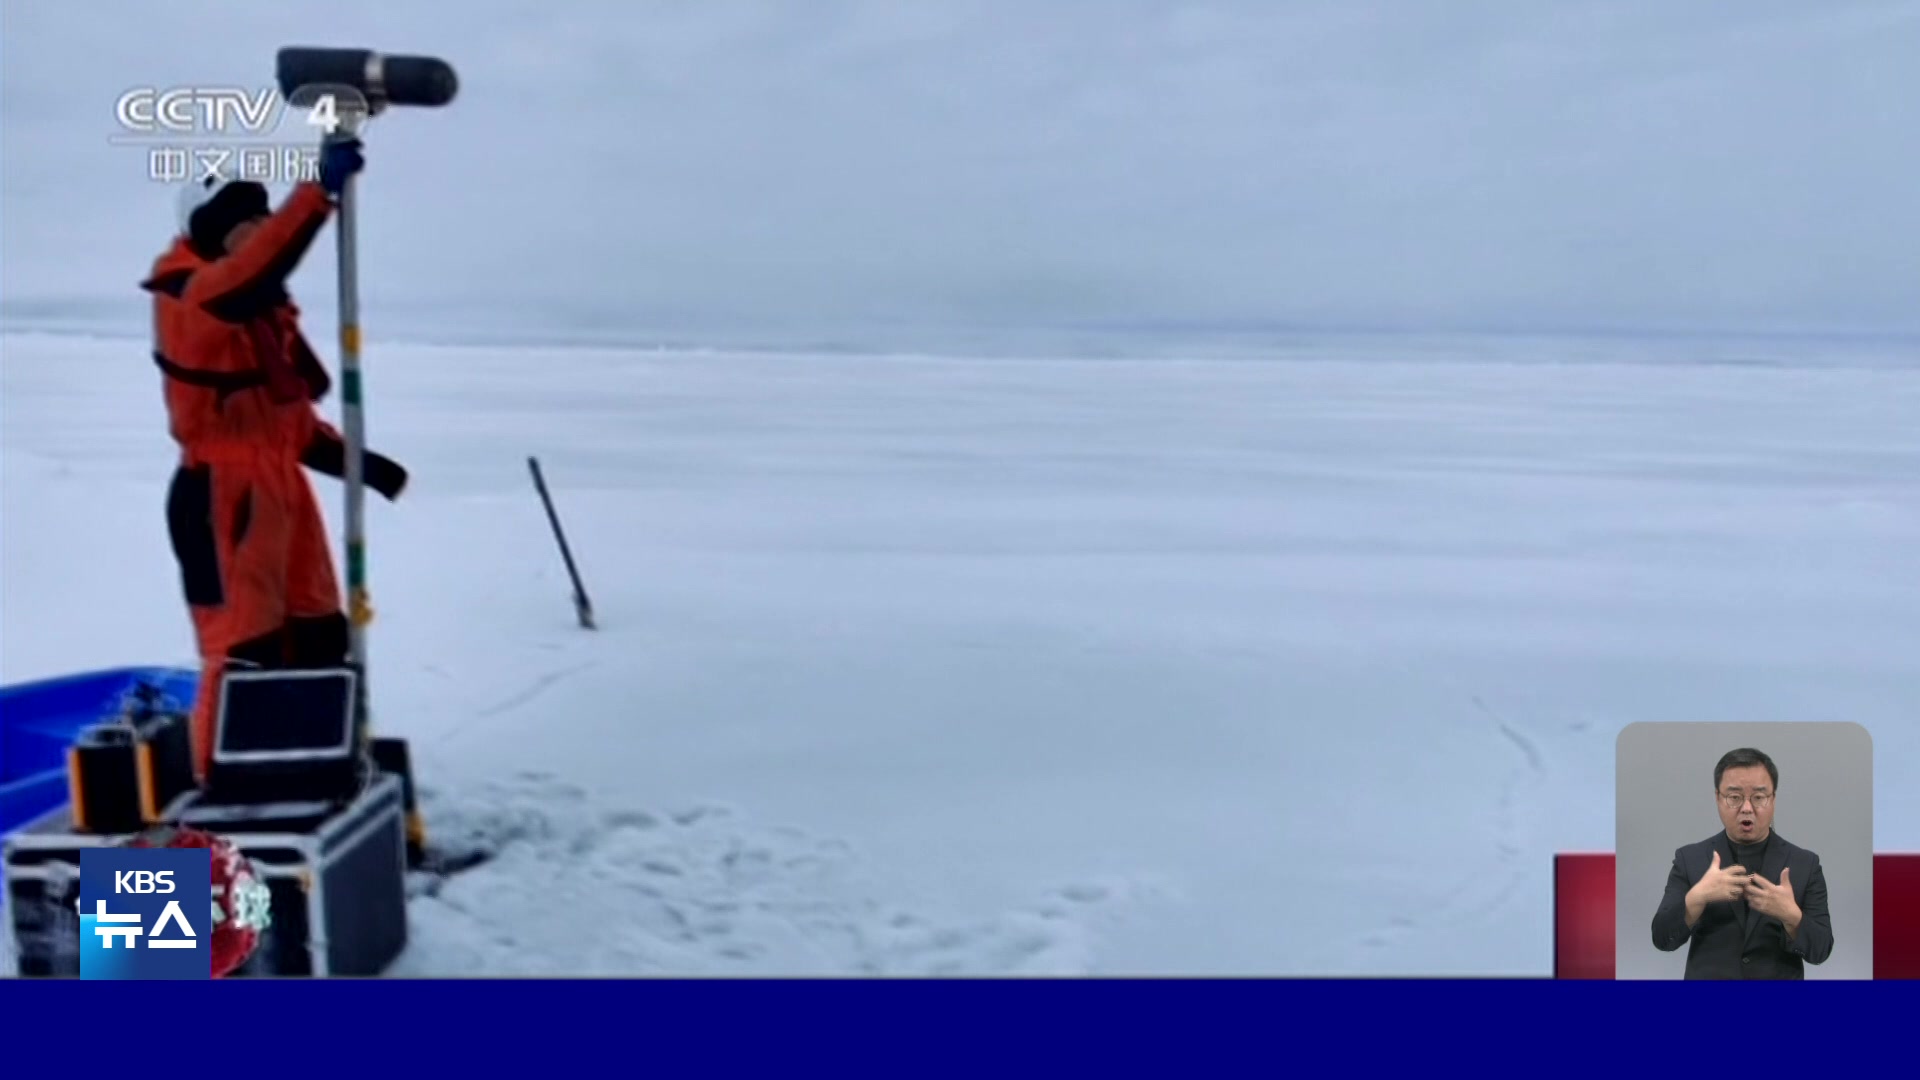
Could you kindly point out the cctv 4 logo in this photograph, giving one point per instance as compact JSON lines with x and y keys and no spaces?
{"x":227,"y":110}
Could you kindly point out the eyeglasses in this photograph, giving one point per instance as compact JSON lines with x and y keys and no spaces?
{"x":1733,"y":799}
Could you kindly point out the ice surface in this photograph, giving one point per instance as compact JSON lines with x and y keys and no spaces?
{"x":1304,"y":664}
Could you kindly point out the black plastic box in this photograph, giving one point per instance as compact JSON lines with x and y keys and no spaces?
{"x":124,"y":772}
{"x":337,"y":877}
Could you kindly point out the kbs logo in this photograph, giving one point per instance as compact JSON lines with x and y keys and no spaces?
{"x":143,"y":881}
{"x":146,"y":913}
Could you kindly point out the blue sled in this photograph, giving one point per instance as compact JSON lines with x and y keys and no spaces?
{"x":40,"y":720}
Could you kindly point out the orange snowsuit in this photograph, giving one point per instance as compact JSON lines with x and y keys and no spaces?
{"x":240,"y":387}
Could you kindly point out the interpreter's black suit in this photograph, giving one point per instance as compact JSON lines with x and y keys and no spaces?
{"x":1732,"y":942}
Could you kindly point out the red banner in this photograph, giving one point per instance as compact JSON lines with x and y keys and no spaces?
{"x":1583,"y":916}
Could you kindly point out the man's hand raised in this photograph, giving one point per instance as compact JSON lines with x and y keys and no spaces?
{"x":1774,"y":900}
{"x":1719,"y":883}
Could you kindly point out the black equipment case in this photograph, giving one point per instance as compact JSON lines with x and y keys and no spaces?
{"x":124,"y":772}
{"x":337,"y":876}
{"x":326,"y":830}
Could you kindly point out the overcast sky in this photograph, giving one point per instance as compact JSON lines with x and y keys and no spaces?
{"x":824,"y":166}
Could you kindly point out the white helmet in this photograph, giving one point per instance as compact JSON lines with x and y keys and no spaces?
{"x":195,"y":195}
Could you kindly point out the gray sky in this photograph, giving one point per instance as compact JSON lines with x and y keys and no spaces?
{"x":824,"y":169}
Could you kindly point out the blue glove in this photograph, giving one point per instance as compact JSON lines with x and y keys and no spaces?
{"x":338,"y":161}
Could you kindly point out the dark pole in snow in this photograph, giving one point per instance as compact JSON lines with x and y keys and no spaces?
{"x":582,"y":607}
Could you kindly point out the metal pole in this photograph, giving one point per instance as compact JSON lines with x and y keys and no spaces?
{"x":353,"y":433}
{"x":582,"y":607}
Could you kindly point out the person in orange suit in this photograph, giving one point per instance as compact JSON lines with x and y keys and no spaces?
{"x":241,"y":386}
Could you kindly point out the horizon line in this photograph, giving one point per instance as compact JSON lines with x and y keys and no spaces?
{"x":764,"y":342}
